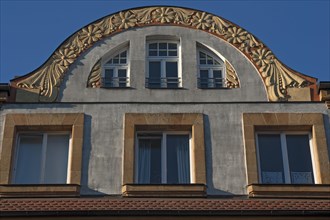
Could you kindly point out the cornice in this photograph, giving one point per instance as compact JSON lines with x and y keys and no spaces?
{"x":276,"y":76}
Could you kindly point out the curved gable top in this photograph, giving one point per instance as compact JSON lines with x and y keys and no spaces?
{"x":276,"y":76}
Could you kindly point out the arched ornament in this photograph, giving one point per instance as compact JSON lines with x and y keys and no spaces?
{"x":276,"y":76}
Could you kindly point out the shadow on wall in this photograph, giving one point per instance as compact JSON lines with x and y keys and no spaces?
{"x":211,"y":190}
{"x":85,"y":190}
{"x":326,"y":122}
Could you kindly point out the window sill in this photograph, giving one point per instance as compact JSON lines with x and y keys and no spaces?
{"x":164,"y":190}
{"x":39,"y":190}
{"x":109,"y":87}
{"x":289,"y":190}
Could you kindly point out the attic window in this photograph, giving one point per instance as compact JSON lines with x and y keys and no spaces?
{"x":115,"y":71}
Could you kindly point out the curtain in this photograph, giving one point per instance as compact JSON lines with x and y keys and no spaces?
{"x":144,"y":161}
{"x":182,"y":155}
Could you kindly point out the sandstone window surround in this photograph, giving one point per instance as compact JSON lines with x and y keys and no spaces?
{"x":15,"y":124}
{"x":169,"y":122}
{"x":286,"y":122}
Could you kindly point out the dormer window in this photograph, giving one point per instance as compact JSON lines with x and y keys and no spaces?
{"x":163,"y":64}
{"x":116,"y":71}
{"x":211,"y":70}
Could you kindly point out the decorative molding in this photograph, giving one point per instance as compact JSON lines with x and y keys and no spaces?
{"x":276,"y":76}
{"x":94,"y":78}
{"x":231,"y":76}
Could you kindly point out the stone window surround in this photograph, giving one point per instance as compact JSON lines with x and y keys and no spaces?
{"x":311,"y":122}
{"x":73,"y":122}
{"x":165,"y":122}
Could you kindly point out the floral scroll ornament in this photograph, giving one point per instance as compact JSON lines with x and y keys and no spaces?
{"x":276,"y":76}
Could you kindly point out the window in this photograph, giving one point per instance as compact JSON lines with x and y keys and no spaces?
{"x":164,"y":155}
{"x":163,"y":65}
{"x":284,"y":158}
{"x":29,"y":140}
{"x":116,"y":71}
{"x":41,"y":158}
{"x":286,"y":155}
{"x":162,"y":158}
{"x":211,"y":70}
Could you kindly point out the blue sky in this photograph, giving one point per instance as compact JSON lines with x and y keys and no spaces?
{"x":297,"y":31}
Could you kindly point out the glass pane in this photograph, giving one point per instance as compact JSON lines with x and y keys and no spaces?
{"x":154,"y":74}
{"x":217,"y":78}
{"x":56,"y":165}
{"x":270,"y":158}
{"x":163,"y":53}
{"x":123,"y":61}
{"x":123,"y":54}
{"x":115,"y":60}
{"x":202,"y":55}
{"x":209,"y":60}
{"x":153,"y":46}
{"x":300,"y":161}
{"x":153,"y":53}
{"x":172,"y":74}
{"x":202,"y":61}
{"x":178,"y":163}
{"x":122,"y":77}
{"x":29,"y":157}
{"x":149,"y":160}
{"x":172,"y":53}
{"x":172,"y":46}
{"x":163,"y":46}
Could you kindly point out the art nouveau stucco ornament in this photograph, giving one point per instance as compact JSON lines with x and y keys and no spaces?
{"x":276,"y":76}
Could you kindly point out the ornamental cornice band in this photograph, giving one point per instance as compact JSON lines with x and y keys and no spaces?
{"x":276,"y":76}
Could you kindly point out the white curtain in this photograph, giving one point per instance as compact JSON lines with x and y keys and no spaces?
{"x":144,"y":161}
{"x":182,"y":155}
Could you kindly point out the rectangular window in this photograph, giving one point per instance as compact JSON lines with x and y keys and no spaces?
{"x":41,"y":158}
{"x":163,"y":158}
{"x":285,"y":158}
{"x":163,"y":68}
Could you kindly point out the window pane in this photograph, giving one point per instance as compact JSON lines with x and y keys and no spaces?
{"x":163,"y":53}
{"x":172,"y":74}
{"x":149,"y":160}
{"x":123,"y":61}
{"x":217,"y":78}
{"x":154,"y":73}
{"x":172,"y":46}
{"x":178,"y":164}
{"x":163,"y":46}
{"x":153,"y":46}
{"x":122,"y":77}
{"x":172,"y":53}
{"x":28,"y":167}
{"x":56,"y":165}
{"x":300,"y":161}
{"x":153,"y":53}
{"x":209,"y":60}
{"x":123,"y":54}
{"x":270,"y":158}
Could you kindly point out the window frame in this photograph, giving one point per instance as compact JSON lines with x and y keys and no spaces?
{"x":212,"y":84}
{"x":284,"y":151}
{"x":191,"y":122}
{"x":163,"y":153}
{"x":50,"y":122}
{"x":116,"y":68}
{"x":45,"y":135}
{"x":163,"y":60}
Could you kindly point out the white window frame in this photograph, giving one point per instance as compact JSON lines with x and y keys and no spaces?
{"x":163,"y":135}
{"x":163,"y":60}
{"x":210,"y":68}
{"x":44,"y":150}
{"x":285,"y":158}
{"x":116,"y":67}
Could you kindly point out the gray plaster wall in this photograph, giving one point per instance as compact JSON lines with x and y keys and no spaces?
{"x":74,"y":86}
{"x":103,"y":138}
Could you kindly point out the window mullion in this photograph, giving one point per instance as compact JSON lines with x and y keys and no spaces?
{"x":164,"y":159}
{"x":163,"y":73}
{"x":43,"y":157}
{"x":285,"y":159}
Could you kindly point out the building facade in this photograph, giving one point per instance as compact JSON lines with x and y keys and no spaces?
{"x":164,"y":112}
